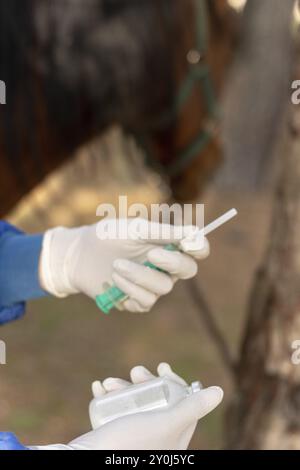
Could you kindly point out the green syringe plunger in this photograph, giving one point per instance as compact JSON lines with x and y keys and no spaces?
{"x":113,"y":295}
{"x":109,"y":299}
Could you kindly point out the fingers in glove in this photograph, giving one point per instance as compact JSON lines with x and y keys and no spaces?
{"x":143,"y":297}
{"x":133,"y":306}
{"x":161,"y":234}
{"x":140,"y":374}
{"x":164,"y":370}
{"x":143,"y":276}
{"x":203,"y":253}
{"x":98,"y":389}
{"x":197,"y":406}
{"x":112,"y":384}
{"x":179,"y":264}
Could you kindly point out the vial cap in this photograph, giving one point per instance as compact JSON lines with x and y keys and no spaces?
{"x":196,"y":387}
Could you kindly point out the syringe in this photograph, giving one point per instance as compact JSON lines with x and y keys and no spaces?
{"x":113,"y":295}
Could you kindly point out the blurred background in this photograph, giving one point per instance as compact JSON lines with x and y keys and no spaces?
{"x":61,"y":346}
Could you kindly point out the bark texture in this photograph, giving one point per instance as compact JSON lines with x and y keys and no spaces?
{"x":256,"y":93}
{"x":265,"y":413}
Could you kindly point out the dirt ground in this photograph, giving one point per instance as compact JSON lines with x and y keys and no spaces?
{"x":61,"y":346}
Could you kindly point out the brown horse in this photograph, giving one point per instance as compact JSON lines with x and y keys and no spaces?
{"x":73,"y":67}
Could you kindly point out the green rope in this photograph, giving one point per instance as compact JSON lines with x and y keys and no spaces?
{"x":202,"y":25}
{"x":188,"y":154}
{"x":198,"y":74}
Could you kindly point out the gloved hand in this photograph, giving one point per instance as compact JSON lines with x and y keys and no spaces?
{"x":165,"y":429}
{"x":76,"y":260}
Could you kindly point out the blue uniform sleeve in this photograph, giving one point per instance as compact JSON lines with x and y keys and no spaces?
{"x":8,"y":441}
{"x":19,"y":281}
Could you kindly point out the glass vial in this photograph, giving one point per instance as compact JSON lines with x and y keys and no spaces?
{"x":161,"y":392}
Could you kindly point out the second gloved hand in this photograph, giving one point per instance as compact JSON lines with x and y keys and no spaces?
{"x":161,"y":429}
{"x":78,"y":260}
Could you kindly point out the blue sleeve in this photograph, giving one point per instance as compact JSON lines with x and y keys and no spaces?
{"x":19,"y":281}
{"x":8,"y":441}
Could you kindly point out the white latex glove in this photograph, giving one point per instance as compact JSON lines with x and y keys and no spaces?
{"x":76,"y":260}
{"x":169,"y":429}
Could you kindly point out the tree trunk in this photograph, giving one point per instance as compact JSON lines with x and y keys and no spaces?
{"x":256,"y":93}
{"x":266,"y":411}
